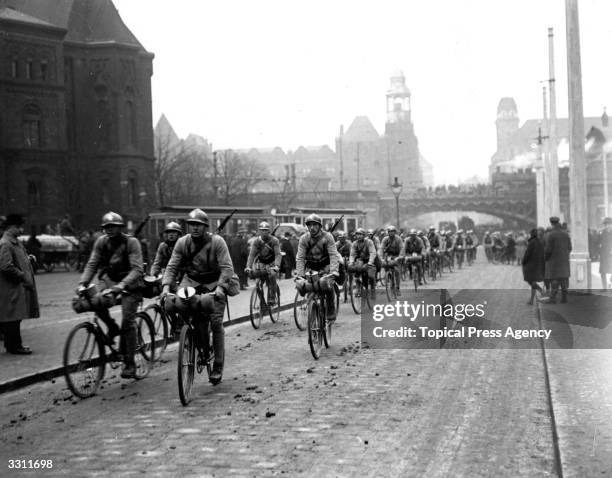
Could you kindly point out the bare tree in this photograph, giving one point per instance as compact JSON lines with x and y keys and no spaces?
{"x":236,"y":175}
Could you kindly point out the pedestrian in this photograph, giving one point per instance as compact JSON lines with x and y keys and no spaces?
{"x":34,"y":248}
{"x":288,"y":263}
{"x":18,"y":298}
{"x":557,"y":269}
{"x":533,"y":264}
{"x":605,"y":253}
{"x":239,"y":253}
{"x":65,"y":226}
{"x":521,"y":247}
{"x":294,"y":240}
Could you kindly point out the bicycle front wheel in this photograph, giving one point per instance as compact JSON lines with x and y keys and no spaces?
{"x":84,"y":360}
{"x":160,"y":327}
{"x":255,"y":308}
{"x":390,"y":286}
{"x":300,"y":312}
{"x":355,"y":291}
{"x":315,"y":332}
{"x":145,"y":345}
{"x":186,"y":363}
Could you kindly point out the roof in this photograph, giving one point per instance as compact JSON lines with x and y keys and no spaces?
{"x":507,"y":104}
{"x":90,"y":21}
{"x":15,"y":16}
{"x":361,"y":130}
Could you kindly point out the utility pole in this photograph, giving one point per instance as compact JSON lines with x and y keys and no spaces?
{"x":555,"y":208}
{"x":580,"y":263}
{"x":546,"y":208}
{"x":542,"y":213}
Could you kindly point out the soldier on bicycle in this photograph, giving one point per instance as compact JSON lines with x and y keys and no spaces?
{"x":117,"y":258}
{"x":317,"y":252}
{"x":206,"y":262}
{"x":413,"y":248}
{"x":391,"y":250}
{"x":265,"y":255}
{"x":164,"y":251}
{"x":363,"y":254}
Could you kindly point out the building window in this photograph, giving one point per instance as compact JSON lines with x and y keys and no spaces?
{"x":106,"y":191}
{"x":44,"y":70}
{"x":28,"y":71}
{"x":132,"y":186}
{"x":34,"y":193}
{"x":32,"y":127}
{"x":14,"y":68}
{"x":131,"y":123}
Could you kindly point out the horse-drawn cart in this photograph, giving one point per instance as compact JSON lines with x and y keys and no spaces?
{"x":55,"y":251}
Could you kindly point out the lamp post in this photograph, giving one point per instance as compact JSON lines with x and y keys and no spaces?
{"x":396,"y":188}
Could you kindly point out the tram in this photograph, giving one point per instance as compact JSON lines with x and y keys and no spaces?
{"x":351,"y":218}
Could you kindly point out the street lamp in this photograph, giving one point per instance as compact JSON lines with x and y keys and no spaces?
{"x":396,"y":188}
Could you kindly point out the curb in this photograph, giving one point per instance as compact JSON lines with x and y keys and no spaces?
{"x":50,"y":374}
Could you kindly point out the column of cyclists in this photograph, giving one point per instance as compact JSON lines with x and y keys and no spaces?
{"x":198,"y":276}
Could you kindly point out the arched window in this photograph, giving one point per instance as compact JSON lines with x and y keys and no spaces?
{"x":34,"y":192}
{"x":132,"y":185}
{"x":130,"y":123}
{"x":32,"y":126}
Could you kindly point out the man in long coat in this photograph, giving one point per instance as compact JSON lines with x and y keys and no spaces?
{"x":18,"y":298}
{"x":556,"y":253}
{"x":239,"y":252}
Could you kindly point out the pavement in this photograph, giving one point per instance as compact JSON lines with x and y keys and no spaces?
{"x":501,"y":411}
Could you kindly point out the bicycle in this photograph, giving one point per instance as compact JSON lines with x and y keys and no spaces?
{"x":359,"y":289}
{"x":417,"y":271}
{"x":192,"y":355}
{"x":85,"y":356}
{"x":319,"y":327}
{"x":391,"y":287}
{"x":260,"y":299}
{"x":459,"y":253}
{"x":162,"y":323}
{"x":434,"y":267}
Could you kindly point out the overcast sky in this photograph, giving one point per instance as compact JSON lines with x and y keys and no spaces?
{"x":265,"y":73}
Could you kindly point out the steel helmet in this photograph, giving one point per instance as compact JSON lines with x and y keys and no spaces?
{"x":460,"y":231}
{"x":264,"y":226}
{"x":432,"y":228}
{"x":112,"y":219}
{"x":314,"y":218}
{"x":361,"y":231}
{"x":420,"y":232}
{"x":341,"y":234}
{"x":392,"y":228}
{"x":197,"y":216}
{"x":413,"y":232}
{"x":173,"y":227}
{"x":370,"y":232}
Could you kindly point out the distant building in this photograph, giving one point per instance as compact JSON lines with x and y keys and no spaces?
{"x":75,"y":122}
{"x":366,"y":160}
{"x":518,"y":150}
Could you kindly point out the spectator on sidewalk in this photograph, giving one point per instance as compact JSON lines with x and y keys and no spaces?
{"x":65,"y":226}
{"x":605,"y":253}
{"x":533,"y":264}
{"x":239,"y":253}
{"x":556,"y":253}
{"x":34,"y":247}
{"x":18,"y":298}
{"x":288,"y":262}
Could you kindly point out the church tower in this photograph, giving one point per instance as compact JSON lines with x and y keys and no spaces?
{"x":401,"y":144}
{"x":507,"y":124}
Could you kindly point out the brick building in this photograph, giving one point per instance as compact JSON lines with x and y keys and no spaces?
{"x":75,"y":113}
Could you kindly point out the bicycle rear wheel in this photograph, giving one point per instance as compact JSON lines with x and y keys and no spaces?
{"x":274,"y":311}
{"x":84,"y":360}
{"x":160,"y":327}
{"x":186,"y":363}
{"x":145,"y":345}
{"x":315,"y":332}
{"x":326,"y":326}
{"x":256,"y":305}
{"x":300,"y":311}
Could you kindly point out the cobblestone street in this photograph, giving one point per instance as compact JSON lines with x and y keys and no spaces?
{"x":354,"y":412}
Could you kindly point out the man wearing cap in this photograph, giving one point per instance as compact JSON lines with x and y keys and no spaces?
{"x":265,"y":256}
{"x":18,"y":299}
{"x":164,"y":250}
{"x":288,"y":262}
{"x":605,"y":253}
{"x":557,"y":267}
{"x":206,"y":262}
{"x":117,"y":258}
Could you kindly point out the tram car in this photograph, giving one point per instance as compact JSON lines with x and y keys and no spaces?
{"x":56,"y":251}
